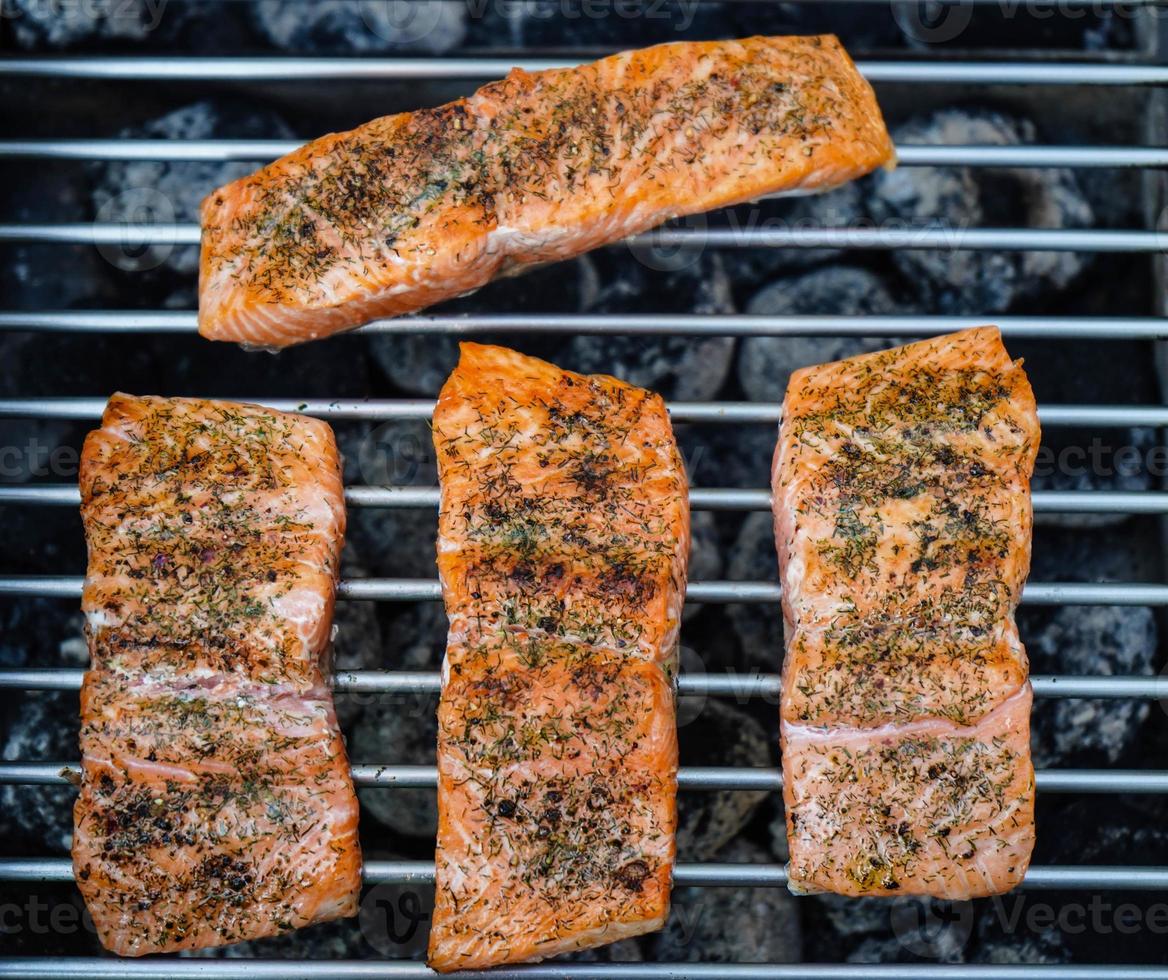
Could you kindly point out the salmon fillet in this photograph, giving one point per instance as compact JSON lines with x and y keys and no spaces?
{"x":562,"y":548}
{"x":903,"y":522}
{"x":216,"y":803}
{"x":412,"y":209}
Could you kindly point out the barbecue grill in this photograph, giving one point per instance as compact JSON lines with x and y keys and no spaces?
{"x":1042,"y":77}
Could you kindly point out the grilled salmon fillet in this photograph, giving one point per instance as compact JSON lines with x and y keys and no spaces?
{"x":412,"y":209}
{"x":562,"y":550}
{"x":902,"y":516}
{"x":216,"y":803}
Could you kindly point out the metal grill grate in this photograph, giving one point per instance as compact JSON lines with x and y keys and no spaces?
{"x":1135,"y":241}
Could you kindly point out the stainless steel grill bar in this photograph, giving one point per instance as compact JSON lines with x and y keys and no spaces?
{"x":426,"y":590}
{"x":931,"y":237}
{"x":702,"y":875}
{"x":742,"y":687}
{"x":419,"y":409}
{"x":633,"y":324}
{"x":700,"y":498}
{"x":262,"y":151}
{"x":694,"y":778}
{"x":380,"y":69}
{"x":85,"y":968}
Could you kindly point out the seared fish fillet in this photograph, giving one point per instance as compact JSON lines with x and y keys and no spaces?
{"x":216,"y":804}
{"x":903,"y":522}
{"x":562,"y":549}
{"x":412,"y":209}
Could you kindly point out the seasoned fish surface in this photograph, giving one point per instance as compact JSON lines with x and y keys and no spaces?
{"x":216,"y":804}
{"x":903,"y":522}
{"x":563,"y":540}
{"x":412,"y":209}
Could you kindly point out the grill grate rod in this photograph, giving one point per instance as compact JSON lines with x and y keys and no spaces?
{"x":932,"y":237}
{"x":742,"y":687}
{"x":262,"y":151}
{"x":688,"y":778}
{"x":721,"y":592}
{"x":700,"y":498}
{"x":420,"y":409}
{"x":155,"y":968}
{"x":709,"y":875}
{"x":245,"y":68}
{"x":633,"y":324}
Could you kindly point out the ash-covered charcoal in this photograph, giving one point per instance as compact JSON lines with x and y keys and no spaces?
{"x":169,"y":191}
{"x":357,"y":642}
{"x":397,"y":452}
{"x":31,"y":272}
{"x":765,"y":363}
{"x":402,"y":729}
{"x":1082,"y":641}
{"x":36,"y":632}
{"x":1096,"y":461}
{"x":419,"y":635}
{"x":719,"y":735}
{"x":705,"y":558}
{"x":394,"y":541}
{"x":1109,"y":830}
{"x":682,"y":368}
{"x":38,"y":451}
{"x":326,"y":941}
{"x":839,"y":208}
{"x":1046,"y":947}
{"x":855,"y":916}
{"x":1081,"y":926}
{"x":416,"y":363}
{"x":360,"y":26}
{"x":777,"y":832}
{"x":920,"y":929}
{"x":731,"y":925}
{"x":966,"y":281}
{"x":41,"y":727}
{"x":1089,"y":641}
{"x":67,"y":23}
{"x":720,"y":455}
{"x":932,"y":25}
{"x":758,"y":626}
{"x":420,"y":363}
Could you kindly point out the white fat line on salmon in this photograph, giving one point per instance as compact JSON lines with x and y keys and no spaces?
{"x":933,"y":727}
